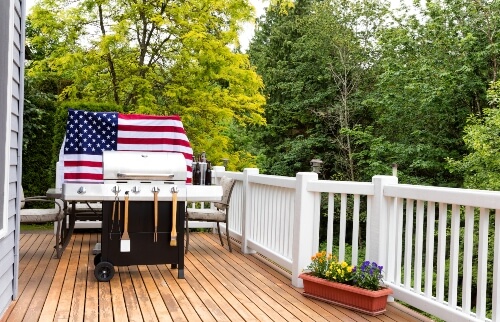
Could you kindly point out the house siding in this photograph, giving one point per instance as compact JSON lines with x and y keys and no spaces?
{"x":11,"y":109}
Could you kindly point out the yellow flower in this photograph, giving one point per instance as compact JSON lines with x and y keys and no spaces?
{"x":349,"y":269}
{"x":344,"y":264}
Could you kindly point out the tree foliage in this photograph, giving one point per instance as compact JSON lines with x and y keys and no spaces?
{"x":39,"y":107}
{"x":434,"y":66}
{"x":481,"y":166}
{"x":315,"y":61}
{"x":363,"y":87}
{"x":153,"y":57}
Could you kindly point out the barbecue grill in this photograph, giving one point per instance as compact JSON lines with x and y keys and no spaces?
{"x":143,"y":197}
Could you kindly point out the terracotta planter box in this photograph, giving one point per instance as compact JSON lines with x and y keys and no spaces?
{"x":351,"y":297}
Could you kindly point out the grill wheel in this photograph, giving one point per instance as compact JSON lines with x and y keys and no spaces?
{"x":104,"y":271}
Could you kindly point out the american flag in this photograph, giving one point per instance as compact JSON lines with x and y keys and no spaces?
{"x":90,"y":133}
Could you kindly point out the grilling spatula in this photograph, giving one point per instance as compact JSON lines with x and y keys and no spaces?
{"x":125,"y":241}
{"x":173,"y":235}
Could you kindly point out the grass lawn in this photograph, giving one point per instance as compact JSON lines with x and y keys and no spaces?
{"x":37,"y":227}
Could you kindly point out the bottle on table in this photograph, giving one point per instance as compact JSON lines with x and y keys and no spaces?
{"x":208,"y":174}
{"x":197,"y":174}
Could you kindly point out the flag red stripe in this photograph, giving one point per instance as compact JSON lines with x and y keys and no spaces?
{"x":150,"y":128}
{"x":142,"y":141}
{"x":82,"y":163}
{"x":85,"y":176}
{"x":149,"y":117}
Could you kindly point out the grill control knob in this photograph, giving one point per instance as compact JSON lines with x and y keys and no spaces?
{"x":155,"y":189}
{"x":116,"y":189}
{"x":81,"y":190}
{"x":136,"y":189}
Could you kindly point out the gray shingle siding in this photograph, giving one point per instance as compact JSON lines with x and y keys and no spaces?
{"x":11,"y":109}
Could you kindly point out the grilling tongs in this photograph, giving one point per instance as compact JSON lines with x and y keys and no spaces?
{"x":116,"y":201}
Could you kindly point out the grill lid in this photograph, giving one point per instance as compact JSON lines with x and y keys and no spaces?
{"x":139,"y":165}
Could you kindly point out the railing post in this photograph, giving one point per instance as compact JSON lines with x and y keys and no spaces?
{"x":246,"y":216}
{"x":306,"y":218}
{"x":377,"y":222}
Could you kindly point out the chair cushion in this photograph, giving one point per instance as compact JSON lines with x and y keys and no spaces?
{"x":39,"y":215}
{"x":226,"y":184}
{"x":206,"y":214}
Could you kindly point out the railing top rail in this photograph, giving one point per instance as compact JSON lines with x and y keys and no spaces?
{"x":231,"y":174}
{"x":348,"y":187}
{"x":276,"y":181}
{"x":465,"y":197}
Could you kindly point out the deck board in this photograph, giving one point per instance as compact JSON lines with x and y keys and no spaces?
{"x":92,"y":289}
{"x":218,"y":286}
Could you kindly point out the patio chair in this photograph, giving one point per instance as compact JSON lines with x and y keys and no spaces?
{"x":55,"y":215}
{"x":217,"y":214}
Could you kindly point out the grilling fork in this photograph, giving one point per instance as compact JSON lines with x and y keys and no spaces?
{"x":155,"y":201}
{"x":117,"y":200}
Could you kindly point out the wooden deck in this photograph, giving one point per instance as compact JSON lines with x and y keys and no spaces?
{"x":218,"y":286}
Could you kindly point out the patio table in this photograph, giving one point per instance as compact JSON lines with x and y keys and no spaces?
{"x":70,"y":215}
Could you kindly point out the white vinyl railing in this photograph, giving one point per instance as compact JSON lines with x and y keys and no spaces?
{"x":430,"y":240}
{"x":419,"y":224}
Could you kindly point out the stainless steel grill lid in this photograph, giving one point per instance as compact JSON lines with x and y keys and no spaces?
{"x":138,"y":165}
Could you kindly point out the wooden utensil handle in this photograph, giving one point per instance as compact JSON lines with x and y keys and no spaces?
{"x":174,"y":212}
{"x":125,"y":224}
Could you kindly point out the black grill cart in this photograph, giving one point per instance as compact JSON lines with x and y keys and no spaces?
{"x":139,"y":195}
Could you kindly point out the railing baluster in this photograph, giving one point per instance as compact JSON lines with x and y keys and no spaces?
{"x":482,"y":263}
{"x":496,"y":270}
{"x":355,"y":229}
{"x":429,"y":252}
{"x":282,"y":222}
{"x":441,"y":259}
{"x":291,"y":203}
{"x":343,"y":219}
{"x":467,"y":264}
{"x":454,"y":254}
{"x":390,"y":273}
{"x":419,"y":242}
{"x":399,"y":242}
{"x":329,"y":227}
{"x":408,"y":243}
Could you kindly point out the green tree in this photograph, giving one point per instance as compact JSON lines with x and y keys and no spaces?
{"x":38,"y":121}
{"x":340,"y":35}
{"x":152,"y":57}
{"x":281,"y":141}
{"x":316,"y":61}
{"x":433,"y":69}
{"x":481,"y":166}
